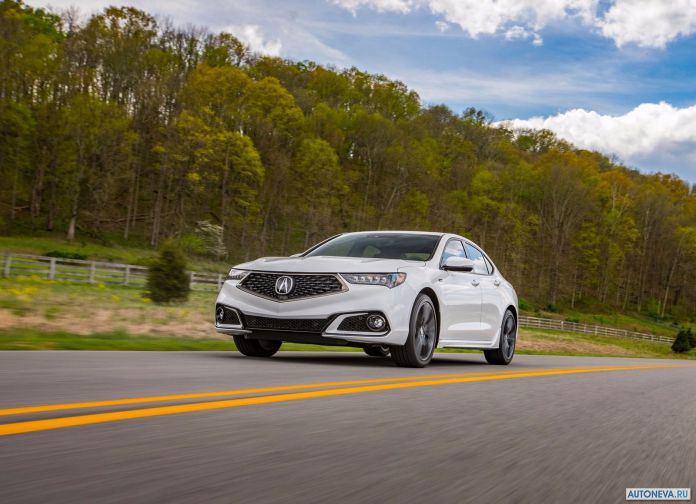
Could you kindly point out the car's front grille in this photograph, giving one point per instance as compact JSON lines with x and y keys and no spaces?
{"x":284,"y":324}
{"x":263,"y":284}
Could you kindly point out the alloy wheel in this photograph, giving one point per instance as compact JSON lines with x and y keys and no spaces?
{"x":508,"y":337}
{"x":426,"y":331}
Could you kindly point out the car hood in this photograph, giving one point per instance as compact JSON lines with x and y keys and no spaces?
{"x":327,"y":264}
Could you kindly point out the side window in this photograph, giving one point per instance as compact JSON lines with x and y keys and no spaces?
{"x":479,"y":261}
{"x":453,"y":248}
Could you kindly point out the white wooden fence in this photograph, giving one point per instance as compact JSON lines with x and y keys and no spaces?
{"x":93,"y":272}
{"x":576,"y":327}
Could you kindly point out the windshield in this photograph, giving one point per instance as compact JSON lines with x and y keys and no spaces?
{"x":408,"y":246}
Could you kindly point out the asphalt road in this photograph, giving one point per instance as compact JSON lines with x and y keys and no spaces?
{"x":547,"y":432}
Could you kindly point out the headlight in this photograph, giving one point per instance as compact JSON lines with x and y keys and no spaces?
{"x":236,"y":274}
{"x":390,"y":280}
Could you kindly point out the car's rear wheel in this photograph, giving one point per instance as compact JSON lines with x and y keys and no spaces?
{"x":422,"y":336}
{"x":503,"y":355}
{"x":256,"y":347}
{"x":377,"y":350}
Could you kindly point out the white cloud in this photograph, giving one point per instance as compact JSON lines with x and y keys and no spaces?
{"x":517,"y":32}
{"x":487,"y":17}
{"x":271,"y":27}
{"x":477,"y":17}
{"x":251,"y":35}
{"x":442,"y":26}
{"x":656,"y":136}
{"x":520,"y":32}
{"x":510,"y":89}
{"x":647,"y":23}
{"x":402,"y":6}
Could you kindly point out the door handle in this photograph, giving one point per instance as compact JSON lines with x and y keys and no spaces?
{"x":475,"y":283}
{"x":496,"y":282}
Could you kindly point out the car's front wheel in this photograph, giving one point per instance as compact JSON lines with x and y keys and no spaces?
{"x":377,"y":350}
{"x":422,"y":336}
{"x":256,"y":347}
{"x":508,"y":338}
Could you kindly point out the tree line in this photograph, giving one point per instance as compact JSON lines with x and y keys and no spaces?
{"x":126,"y":124}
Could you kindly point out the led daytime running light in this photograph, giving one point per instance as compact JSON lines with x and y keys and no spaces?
{"x":389,"y":280}
{"x":236,"y":274}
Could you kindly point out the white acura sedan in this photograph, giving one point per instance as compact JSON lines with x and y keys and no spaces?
{"x":398,"y":292}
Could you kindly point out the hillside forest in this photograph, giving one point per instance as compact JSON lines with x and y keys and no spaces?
{"x":125,"y":125}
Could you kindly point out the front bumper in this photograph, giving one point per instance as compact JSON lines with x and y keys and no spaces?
{"x":395,"y":305}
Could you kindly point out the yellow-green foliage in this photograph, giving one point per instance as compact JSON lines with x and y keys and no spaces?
{"x":157,"y":136}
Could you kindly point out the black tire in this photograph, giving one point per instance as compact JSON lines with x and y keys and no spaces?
{"x":377,"y":350}
{"x":256,"y":347}
{"x":502,"y":356}
{"x":422,"y":336}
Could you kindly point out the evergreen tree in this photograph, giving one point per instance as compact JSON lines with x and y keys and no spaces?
{"x":681,"y":342}
{"x":167,"y":279}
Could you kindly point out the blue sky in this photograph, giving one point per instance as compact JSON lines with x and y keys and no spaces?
{"x":613,"y":75}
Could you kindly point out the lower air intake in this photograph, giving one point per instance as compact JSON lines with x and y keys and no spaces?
{"x":279,"y":324}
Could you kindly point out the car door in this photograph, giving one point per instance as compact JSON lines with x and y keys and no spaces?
{"x":460,"y":298}
{"x":489,"y":283}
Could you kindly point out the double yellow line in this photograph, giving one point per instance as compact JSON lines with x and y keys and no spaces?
{"x":284,"y":393}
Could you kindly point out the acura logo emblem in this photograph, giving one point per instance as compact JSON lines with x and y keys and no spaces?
{"x":284,"y":285}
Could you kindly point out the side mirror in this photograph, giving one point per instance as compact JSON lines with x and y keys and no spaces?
{"x":454,"y":263}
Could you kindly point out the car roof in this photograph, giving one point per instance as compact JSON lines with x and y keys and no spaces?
{"x":425,"y":233}
{"x":380,"y":231}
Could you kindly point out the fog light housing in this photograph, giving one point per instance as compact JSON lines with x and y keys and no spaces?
{"x":376,"y":322}
{"x":220,"y":315}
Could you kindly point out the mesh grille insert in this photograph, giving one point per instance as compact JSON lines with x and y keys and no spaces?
{"x":263,"y":284}
{"x":358,"y":323}
{"x":276,"y":324}
{"x":230,"y":317}
{"x":354,"y":323}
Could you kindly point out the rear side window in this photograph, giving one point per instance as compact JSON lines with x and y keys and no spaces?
{"x":475,"y":255}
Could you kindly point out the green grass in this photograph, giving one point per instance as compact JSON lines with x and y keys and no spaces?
{"x":636,"y":322}
{"x":637,"y":346}
{"x":33,"y":339}
{"x":41,"y":245}
{"x":26,"y":294}
{"x":95,"y":250}
{"x":608,"y":346}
